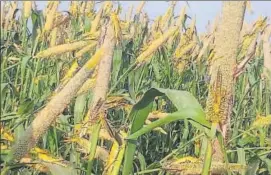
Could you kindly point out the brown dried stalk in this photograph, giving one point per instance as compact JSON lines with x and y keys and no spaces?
{"x":104,"y":70}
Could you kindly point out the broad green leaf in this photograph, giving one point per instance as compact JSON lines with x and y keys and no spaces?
{"x":187,"y":113}
{"x":186,"y":104}
{"x":181,"y":99}
{"x":138,"y":116}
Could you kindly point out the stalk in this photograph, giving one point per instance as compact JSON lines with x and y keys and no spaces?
{"x":100,"y":91}
{"x":208,"y":158}
{"x":118,"y":161}
{"x":94,"y":142}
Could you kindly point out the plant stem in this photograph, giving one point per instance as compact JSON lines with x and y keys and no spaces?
{"x":93,"y":143}
{"x":208,"y":158}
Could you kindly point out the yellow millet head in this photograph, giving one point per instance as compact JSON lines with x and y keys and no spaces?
{"x":217,"y":102}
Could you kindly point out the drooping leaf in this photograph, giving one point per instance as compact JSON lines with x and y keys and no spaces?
{"x":187,"y":106}
{"x":187,"y":113}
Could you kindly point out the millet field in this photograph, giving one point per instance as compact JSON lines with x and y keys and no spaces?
{"x":96,"y":90}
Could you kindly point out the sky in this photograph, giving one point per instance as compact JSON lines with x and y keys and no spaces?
{"x":204,"y":11}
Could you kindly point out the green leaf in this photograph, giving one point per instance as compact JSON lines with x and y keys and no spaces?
{"x":117,"y":59}
{"x":25,"y":107}
{"x":253,"y":166}
{"x":181,"y":99}
{"x":3,"y":87}
{"x":23,"y":66}
{"x":187,"y":106}
{"x":241,"y":157}
{"x":3,"y":92}
{"x":79,"y":107}
{"x":155,"y":67}
{"x":142,"y":161}
{"x":247,"y":139}
{"x":267,"y":162}
{"x":187,"y":113}
{"x":138,"y":115}
{"x":87,"y":24}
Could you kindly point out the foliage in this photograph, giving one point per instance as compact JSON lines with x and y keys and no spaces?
{"x":158,"y":90}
